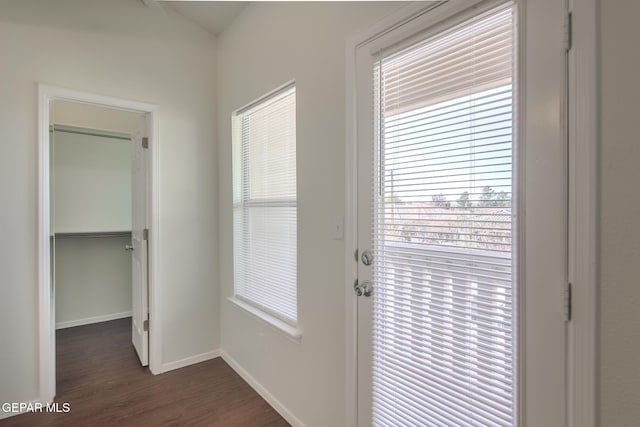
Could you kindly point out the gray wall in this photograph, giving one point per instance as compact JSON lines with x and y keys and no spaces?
{"x":619,"y":213}
{"x":268,"y":45}
{"x":93,"y":279}
{"x":123,"y":49}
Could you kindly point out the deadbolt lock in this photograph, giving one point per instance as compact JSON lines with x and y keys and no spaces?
{"x":367,"y":257}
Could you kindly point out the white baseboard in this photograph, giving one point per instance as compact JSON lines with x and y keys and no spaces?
{"x":89,"y":320}
{"x":262,"y":391}
{"x":4,"y":414}
{"x":177,"y":364}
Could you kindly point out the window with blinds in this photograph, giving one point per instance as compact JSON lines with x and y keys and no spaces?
{"x":265,"y":218}
{"x":444,"y":303}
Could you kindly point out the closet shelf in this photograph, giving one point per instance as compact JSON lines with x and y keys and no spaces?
{"x":92,"y":234}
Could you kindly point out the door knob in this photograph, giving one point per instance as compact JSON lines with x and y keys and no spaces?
{"x":128,"y":247}
{"x":365,"y":288}
{"x":357,"y":289}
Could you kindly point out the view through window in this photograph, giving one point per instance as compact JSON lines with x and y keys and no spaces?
{"x":444,"y":302}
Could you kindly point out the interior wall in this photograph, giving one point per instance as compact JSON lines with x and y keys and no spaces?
{"x":619,"y":214}
{"x":93,"y":280}
{"x":123,"y":49}
{"x":93,"y":117}
{"x":267,"y":46}
{"x":92,"y":186}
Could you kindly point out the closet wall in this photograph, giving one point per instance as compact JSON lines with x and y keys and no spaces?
{"x":91,"y":218}
{"x":93,"y":280}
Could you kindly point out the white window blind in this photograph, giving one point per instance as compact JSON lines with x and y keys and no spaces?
{"x":444,"y":320}
{"x":265,"y":226}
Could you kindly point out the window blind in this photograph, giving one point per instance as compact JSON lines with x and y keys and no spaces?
{"x":444,"y":321}
{"x":265,"y":216}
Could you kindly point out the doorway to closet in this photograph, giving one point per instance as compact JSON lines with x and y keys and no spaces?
{"x":91,"y":213}
{"x":96,"y":215}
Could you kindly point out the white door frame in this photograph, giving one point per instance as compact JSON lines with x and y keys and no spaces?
{"x":583,"y":215}
{"x":582,"y":343}
{"x":46,"y":94}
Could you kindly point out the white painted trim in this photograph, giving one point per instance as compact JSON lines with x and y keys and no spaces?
{"x":583,"y":397}
{"x":281,"y":326}
{"x":5,"y":415}
{"x":46,"y":324}
{"x":191,"y":360}
{"x":72,"y":95}
{"x":90,"y":320}
{"x":46,"y":314}
{"x":351,"y":236}
{"x":154,"y":248}
{"x":262,"y":391}
{"x":277,"y":93}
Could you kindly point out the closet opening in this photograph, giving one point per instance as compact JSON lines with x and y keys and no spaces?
{"x":97,"y":216}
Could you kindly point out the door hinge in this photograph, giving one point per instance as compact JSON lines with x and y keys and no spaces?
{"x":569,"y":25}
{"x":145,"y":142}
{"x":145,"y":234}
{"x":145,"y":325}
{"x":568,"y":302}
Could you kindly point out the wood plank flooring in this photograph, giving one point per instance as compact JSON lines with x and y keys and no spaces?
{"x":100,"y":376}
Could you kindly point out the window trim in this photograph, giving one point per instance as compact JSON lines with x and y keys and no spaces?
{"x":295,"y":333}
{"x":272,"y":95}
{"x":239,"y":174}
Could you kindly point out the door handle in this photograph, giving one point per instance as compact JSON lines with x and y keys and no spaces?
{"x":128,"y":247}
{"x":365,"y":288}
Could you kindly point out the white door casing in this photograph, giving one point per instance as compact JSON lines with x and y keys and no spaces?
{"x":539,"y":185}
{"x":46,"y":94}
{"x":139,"y":246}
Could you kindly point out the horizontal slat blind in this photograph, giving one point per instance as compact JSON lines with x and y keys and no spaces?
{"x":444,"y":321}
{"x":265,"y":213}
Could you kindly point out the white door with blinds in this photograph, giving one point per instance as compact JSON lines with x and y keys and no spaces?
{"x":462,"y":218}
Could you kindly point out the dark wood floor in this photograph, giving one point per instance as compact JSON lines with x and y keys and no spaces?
{"x":101,"y":378}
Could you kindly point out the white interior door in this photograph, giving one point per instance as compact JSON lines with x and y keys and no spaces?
{"x":462,"y":218}
{"x":139,"y":247}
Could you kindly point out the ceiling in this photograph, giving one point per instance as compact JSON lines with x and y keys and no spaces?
{"x":214,"y":16}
